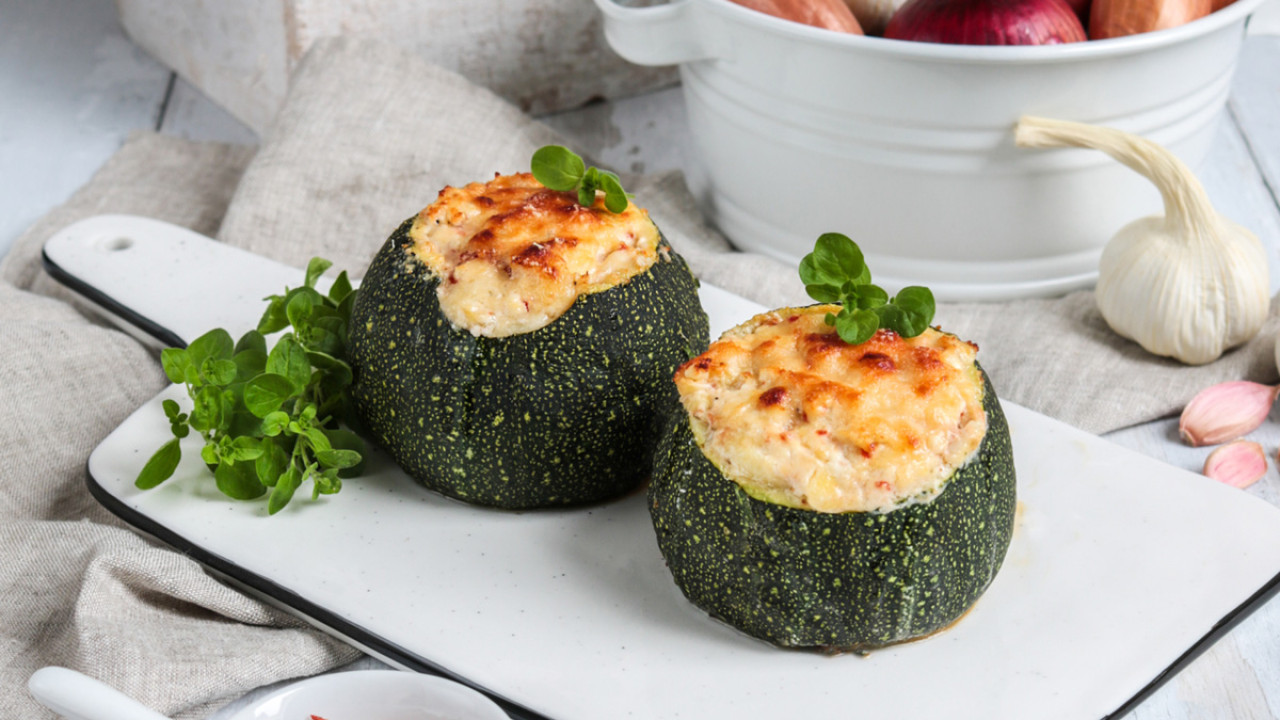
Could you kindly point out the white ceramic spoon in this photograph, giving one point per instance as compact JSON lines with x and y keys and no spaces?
{"x":77,"y":696}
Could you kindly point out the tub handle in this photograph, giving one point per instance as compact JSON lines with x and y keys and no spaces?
{"x":658,"y":35}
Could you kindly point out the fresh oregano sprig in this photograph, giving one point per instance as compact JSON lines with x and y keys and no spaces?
{"x":269,"y":420}
{"x":559,"y":168}
{"x":835,"y":272}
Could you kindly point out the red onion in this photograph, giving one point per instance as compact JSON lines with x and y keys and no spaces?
{"x":986,"y":22}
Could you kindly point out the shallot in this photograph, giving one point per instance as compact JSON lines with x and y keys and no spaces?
{"x":1116,"y":18}
{"x":829,"y":14}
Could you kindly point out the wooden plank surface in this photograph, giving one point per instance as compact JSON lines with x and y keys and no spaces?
{"x":73,"y":88}
{"x":1255,"y":102}
{"x":192,"y":116}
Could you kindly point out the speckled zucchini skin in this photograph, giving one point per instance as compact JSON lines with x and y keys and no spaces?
{"x":850,"y":581}
{"x":567,"y":414}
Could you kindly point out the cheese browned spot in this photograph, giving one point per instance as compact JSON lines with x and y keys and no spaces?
{"x":798,"y":417}
{"x":512,"y":255}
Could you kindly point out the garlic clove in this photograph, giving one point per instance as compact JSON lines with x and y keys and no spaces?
{"x":1225,"y":412}
{"x":1238,"y":464}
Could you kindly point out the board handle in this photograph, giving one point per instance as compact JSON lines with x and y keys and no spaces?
{"x":164,"y":284}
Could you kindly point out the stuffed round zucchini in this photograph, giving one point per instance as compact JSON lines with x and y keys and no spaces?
{"x":819,"y":493}
{"x":514,"y":348}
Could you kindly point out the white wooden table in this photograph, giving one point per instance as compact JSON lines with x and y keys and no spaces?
{"x":72,"y":87}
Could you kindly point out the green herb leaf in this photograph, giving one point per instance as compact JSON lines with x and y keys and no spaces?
{"x":870,"y":296}
{"x":836,"y":272}
{"x":835,"y":260}
{"x":274,"y":319}
{"x":326,"y":483}
{"x":298,"y":309}
{"x":238,"y":480}
{"x":587,"y":190}
{"x":289,"y":359}
{"x":856,"y":326}
{"x":176,"y":363}
{"x":216,"y":344}
{"x":218,"y":372}
{"x":824,"y":293}
{"x":207,"y":413}
{"x":275,"y":423}
{"x":338,"y":459}
{"x":161,"y":466}
{"x":615,"y":198}
{"x":336,"y":368}
{"x":272,"y":463}
{"x":249,"y":363}
{"x":557,"y":167}
{"x":315,"y":269}
{"x":244,"y":448}
{"x":267,"y":392}
{"x":319,"y":441}
{"x":340,"y":288}
{"x":347,"y":440}
{"x":251,"y":340}
{"x":917,"y":300}
{"x":283,"y":491}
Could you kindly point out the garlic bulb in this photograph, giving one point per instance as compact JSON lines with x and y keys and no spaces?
{"x":1189,"y":284}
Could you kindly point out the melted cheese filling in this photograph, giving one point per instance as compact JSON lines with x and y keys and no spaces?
{"x":512,"y":256}
{"x":798,"y":417}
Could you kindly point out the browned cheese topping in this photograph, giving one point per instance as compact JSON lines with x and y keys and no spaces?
{"x":513,"y":256}
{"x":798,"y":417}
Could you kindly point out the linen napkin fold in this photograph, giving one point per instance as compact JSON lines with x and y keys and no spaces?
{"x":367,"y":137}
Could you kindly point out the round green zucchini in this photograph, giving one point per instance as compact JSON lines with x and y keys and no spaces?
{"x":839,"y":581}
{"x":566,"y":414}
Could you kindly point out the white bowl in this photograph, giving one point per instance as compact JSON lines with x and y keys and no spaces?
{"x":374,"y":695}
{"x":907,"y":147}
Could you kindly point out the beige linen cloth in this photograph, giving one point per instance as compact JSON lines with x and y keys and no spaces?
{"x":368,"y":136}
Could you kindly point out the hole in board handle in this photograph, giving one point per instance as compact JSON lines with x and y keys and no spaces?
{"x":116,"y":243}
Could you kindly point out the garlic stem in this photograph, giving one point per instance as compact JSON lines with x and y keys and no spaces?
{"x":1186,"y":204}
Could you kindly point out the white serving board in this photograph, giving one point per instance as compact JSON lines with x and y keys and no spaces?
{"x":1121,"y":569}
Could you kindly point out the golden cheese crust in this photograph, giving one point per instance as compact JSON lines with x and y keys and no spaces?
{"x":513,"y":256}
{"x":798,"y":417}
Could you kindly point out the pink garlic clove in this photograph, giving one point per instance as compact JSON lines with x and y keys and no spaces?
{"x":1225,"y":412}
{"x":1238,"y":464}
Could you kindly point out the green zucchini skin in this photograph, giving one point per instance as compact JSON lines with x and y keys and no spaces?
{"x":841,"y":582}
{"x":567,"y":414}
